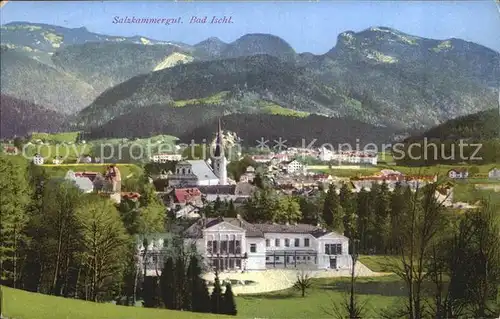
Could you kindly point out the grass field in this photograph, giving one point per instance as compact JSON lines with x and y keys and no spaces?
{"x":18,"y":304}
{"x":379,"y":263}
{"x":379,"y":293}
{"x":56,"y":137}
{"x":69,"y":152}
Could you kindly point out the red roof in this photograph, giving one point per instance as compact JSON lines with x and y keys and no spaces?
{"x":183,"y":195}
{"x":130,"y":195}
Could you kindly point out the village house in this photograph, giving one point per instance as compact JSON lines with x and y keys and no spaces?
{"x":494,"y":173}
{"x":84,"y":159}
{"x":58,"y":160}
{"x":180,"y":197}
{"x":458,"y":173}
{"x":10,"y":150}
{"x":233,"y":244}
{"x":82,"y":182}
{"x":294,"y":167}
{"x":38,"y":159}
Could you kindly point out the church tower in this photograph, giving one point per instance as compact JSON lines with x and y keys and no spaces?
{"x":219,"y":161}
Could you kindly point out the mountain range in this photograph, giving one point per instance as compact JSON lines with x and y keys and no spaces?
{"x":379,"y":76}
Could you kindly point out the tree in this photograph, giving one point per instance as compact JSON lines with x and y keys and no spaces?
{"x":216,"y":297}
{"x":258,"y":181}
{"x":151,"y":293}
{"x":348,"y":204}
{"x":180,"y":283}
{"x":382,"y":223}
{"x":303,"y":282}
{"x":420,"y":225}
{"x":104,"y":240}
{"x":60,"y":201}
{"x":229,"y":305}
{"x":13,"y":205}
{"x":167,"y":284}
{"x":286,"y":210}
{"x":231,"y":210}
{"x":332,"y":211}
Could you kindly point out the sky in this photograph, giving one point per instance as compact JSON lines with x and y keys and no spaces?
{"x":306,"y":26}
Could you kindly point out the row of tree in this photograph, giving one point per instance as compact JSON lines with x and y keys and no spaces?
{"x":182,"y":288}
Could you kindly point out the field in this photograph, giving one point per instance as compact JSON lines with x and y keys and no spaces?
{"x":67,"y":137}
{"x":126,"y":170}
{"x":69,"y":152}
{"x":379,"y":293}
{"x":18,"y":304}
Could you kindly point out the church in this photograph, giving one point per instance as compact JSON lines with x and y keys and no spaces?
{"x":213,"y":171}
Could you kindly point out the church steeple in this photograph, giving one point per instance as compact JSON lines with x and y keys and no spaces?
{"x":219,"y":160}
{"x":219,"y":146}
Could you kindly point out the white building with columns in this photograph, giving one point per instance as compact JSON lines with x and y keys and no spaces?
{"x":233,"y":244}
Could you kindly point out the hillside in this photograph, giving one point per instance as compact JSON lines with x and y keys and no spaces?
{"x":423,"y":82}
{"x":27,"y":305}
{"x":104,"y":65}
{"x":239,"y":84}
{"x":483,"y":125}
{"x":379,"y":75}
{"x":20,"y":118}
{"x":33,"y":81}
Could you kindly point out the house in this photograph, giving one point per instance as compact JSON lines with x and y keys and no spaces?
{"x":166,"y":157}
{"x":100,"y":184}
{"x":180,"y":197}
{"x":233,"y":244}
{"x":85,"y":159}
{"x":459,"y":173}
{"x":82,"y":182}
{"x":293,"y":166}
{"x":10,"y":150}
{"x":494,"y":173}
{"x":189,"y":211}
{"x":38,"y":159}
{"x":58,"y":160}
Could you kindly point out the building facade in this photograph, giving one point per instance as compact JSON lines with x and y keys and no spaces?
{"x":163,"y":158}
{"x":232,"y":244}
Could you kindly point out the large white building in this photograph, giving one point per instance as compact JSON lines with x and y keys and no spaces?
{"x":233,"y":244}
{"x":326,"y":155}
{"x":200,"y":172}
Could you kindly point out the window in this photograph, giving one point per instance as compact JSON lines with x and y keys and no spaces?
{"x":306,"y":242}
{"x":209,"y":247}
{"x":268,"y":243}
{"x":276,"y":257}
{"x":287,"y":242}
{"x":231,"y":247}
{"x":333,"y":249}
{"x":267,"y":258}
{"x":215,"y":247}
{"x":297,"y":242}
{"x":238,"y":247}
{"x":223,"y":247}
{"x":238,"y":263}
{"x":253,"y":248}
{"x":277,"y":242}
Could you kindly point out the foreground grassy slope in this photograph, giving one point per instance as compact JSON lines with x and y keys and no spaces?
{"x":25,"y":305}
{"x":380,"y":294}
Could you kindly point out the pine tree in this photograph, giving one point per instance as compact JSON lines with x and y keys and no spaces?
{"x":180,"y":283}
{"x":382,"y":222}
{"x":203,"y":303}
{"x":231,"y":210}
{"x":192,"y":284}
{"x":348,"y":203}
{"x":332,"y":211}
{"x":150,"y":292}
{"x":167,"y":284}
{"x":216,"y":297}
{"x":229,"y":305}
{"x":365,"y":222}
